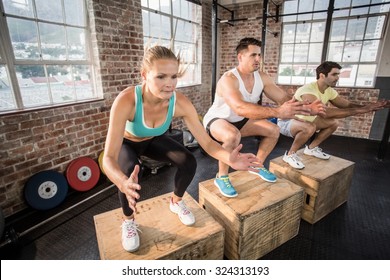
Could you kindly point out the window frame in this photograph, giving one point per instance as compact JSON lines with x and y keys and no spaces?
{"x":9,"y":60}
{"x":172,"y":42}
{"x":329,"y":20}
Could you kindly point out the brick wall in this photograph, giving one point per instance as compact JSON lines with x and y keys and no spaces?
{"x":51,"y":138}
{"x":355,"y":126}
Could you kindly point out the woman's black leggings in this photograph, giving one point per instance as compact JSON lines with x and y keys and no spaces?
{"x":161,"y":148}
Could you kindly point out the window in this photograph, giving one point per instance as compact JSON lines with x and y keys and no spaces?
{"x":354,"y":40}
{"x":45,"y":57}
{"x":175,"y":24}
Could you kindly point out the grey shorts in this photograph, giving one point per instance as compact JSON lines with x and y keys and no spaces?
{"x":285,"y":127}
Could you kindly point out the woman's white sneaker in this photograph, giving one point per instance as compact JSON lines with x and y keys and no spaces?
{"x":293,"y":160}
{"x":130,"y":237}
{"x":185,"y":215}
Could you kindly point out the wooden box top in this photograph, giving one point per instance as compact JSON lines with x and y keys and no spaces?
{"x":161,"y":234}
{"x":314,"y":167}
{"x":254,"y":194}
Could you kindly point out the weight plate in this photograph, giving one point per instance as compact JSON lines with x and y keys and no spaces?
{"x":82,"y":174}
{"x":45,"y":190}
{"x":100,"y":160}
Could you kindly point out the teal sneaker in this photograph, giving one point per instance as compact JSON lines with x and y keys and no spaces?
{"x":225,"y":186}
{"x":265,"y":174}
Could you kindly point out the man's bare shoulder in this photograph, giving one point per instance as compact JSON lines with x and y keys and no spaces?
{"x":226,"y":84}
{"x":229,"y":76}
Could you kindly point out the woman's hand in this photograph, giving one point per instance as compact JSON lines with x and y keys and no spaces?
{"x":243,"y":161}
{"x":131,"y":187}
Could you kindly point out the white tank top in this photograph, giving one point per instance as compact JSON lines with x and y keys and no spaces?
{"x":219,"y":109}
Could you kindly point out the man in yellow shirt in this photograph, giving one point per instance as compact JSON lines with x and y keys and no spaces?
{"x":303,"y":127}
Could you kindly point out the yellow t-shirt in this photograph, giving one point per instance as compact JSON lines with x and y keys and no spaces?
{"x":312,"y":88}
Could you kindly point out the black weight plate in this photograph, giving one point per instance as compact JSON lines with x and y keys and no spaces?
{"x":46,"y":190}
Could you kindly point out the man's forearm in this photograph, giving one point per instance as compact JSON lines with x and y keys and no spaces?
{"x":338,"y":113}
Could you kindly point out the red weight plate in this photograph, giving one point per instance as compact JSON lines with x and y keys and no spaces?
{"x":82,"y":174}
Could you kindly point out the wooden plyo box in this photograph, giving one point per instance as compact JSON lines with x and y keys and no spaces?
{"x":163,"y":236}
{"x":326,"y":183}
{"x":262,"y":217}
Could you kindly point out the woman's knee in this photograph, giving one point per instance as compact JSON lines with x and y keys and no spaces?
{"x":189,"y":165}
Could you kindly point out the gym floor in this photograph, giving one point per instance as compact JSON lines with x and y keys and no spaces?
{"x":357,"y":230}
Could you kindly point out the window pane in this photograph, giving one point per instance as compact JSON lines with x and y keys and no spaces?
{"x":359,"y":11}
{"x":49,"y":10}
{"x":374,"y":27}
{"x":187,"y":52}
{"x":288,"y":33}
{"x":185,"y":10}
{"x":285,"y":73}
{"x":301,"y":52}
{"x":290,"y":7}
{"x":75,"y":12}
{"x":154,"y":4}
{"x":176,"y":5}
{"x":320,"y":5}
{"x":185,"y":31}
{"x":33,"y":85}
{"x":53,"y":42}
{"x":298,"y":78}
{"x":342,"y":3}
{"x":82,"y":78}
{"x":380,"y":8}
{"x":24,"y":38}
{"x":76,"y":44}
{"x":317,"y":32}
{"x":352,"y":51}
{"x":160,"y":26}
{"x":356,"y":29}
{"x":70,"y":83}
{"x":287,"y":53}
{"x":21,"y":8}
{"x":7,"y":100}
{"x":365,"y":76}
{"x":338,"y":30}
{"x":190,"y":76}
{"x":305,"y":6}
{"x":348,"y":75}
{"x":335,"y":51}
{"x":151,"y":41}
{"x":303,"y":33}
{"x":315,"y":52}
{"x":370,"y":51}
{"x":61,"y":83}
{"x":165,"y":6}
{"x":145,"y":23}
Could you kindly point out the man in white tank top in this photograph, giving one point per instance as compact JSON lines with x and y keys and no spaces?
{"x":236,"y":113}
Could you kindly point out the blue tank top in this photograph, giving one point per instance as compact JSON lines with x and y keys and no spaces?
{"x":138,"y":128}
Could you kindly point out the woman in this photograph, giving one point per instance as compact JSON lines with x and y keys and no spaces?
{"x":139,"y":117}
